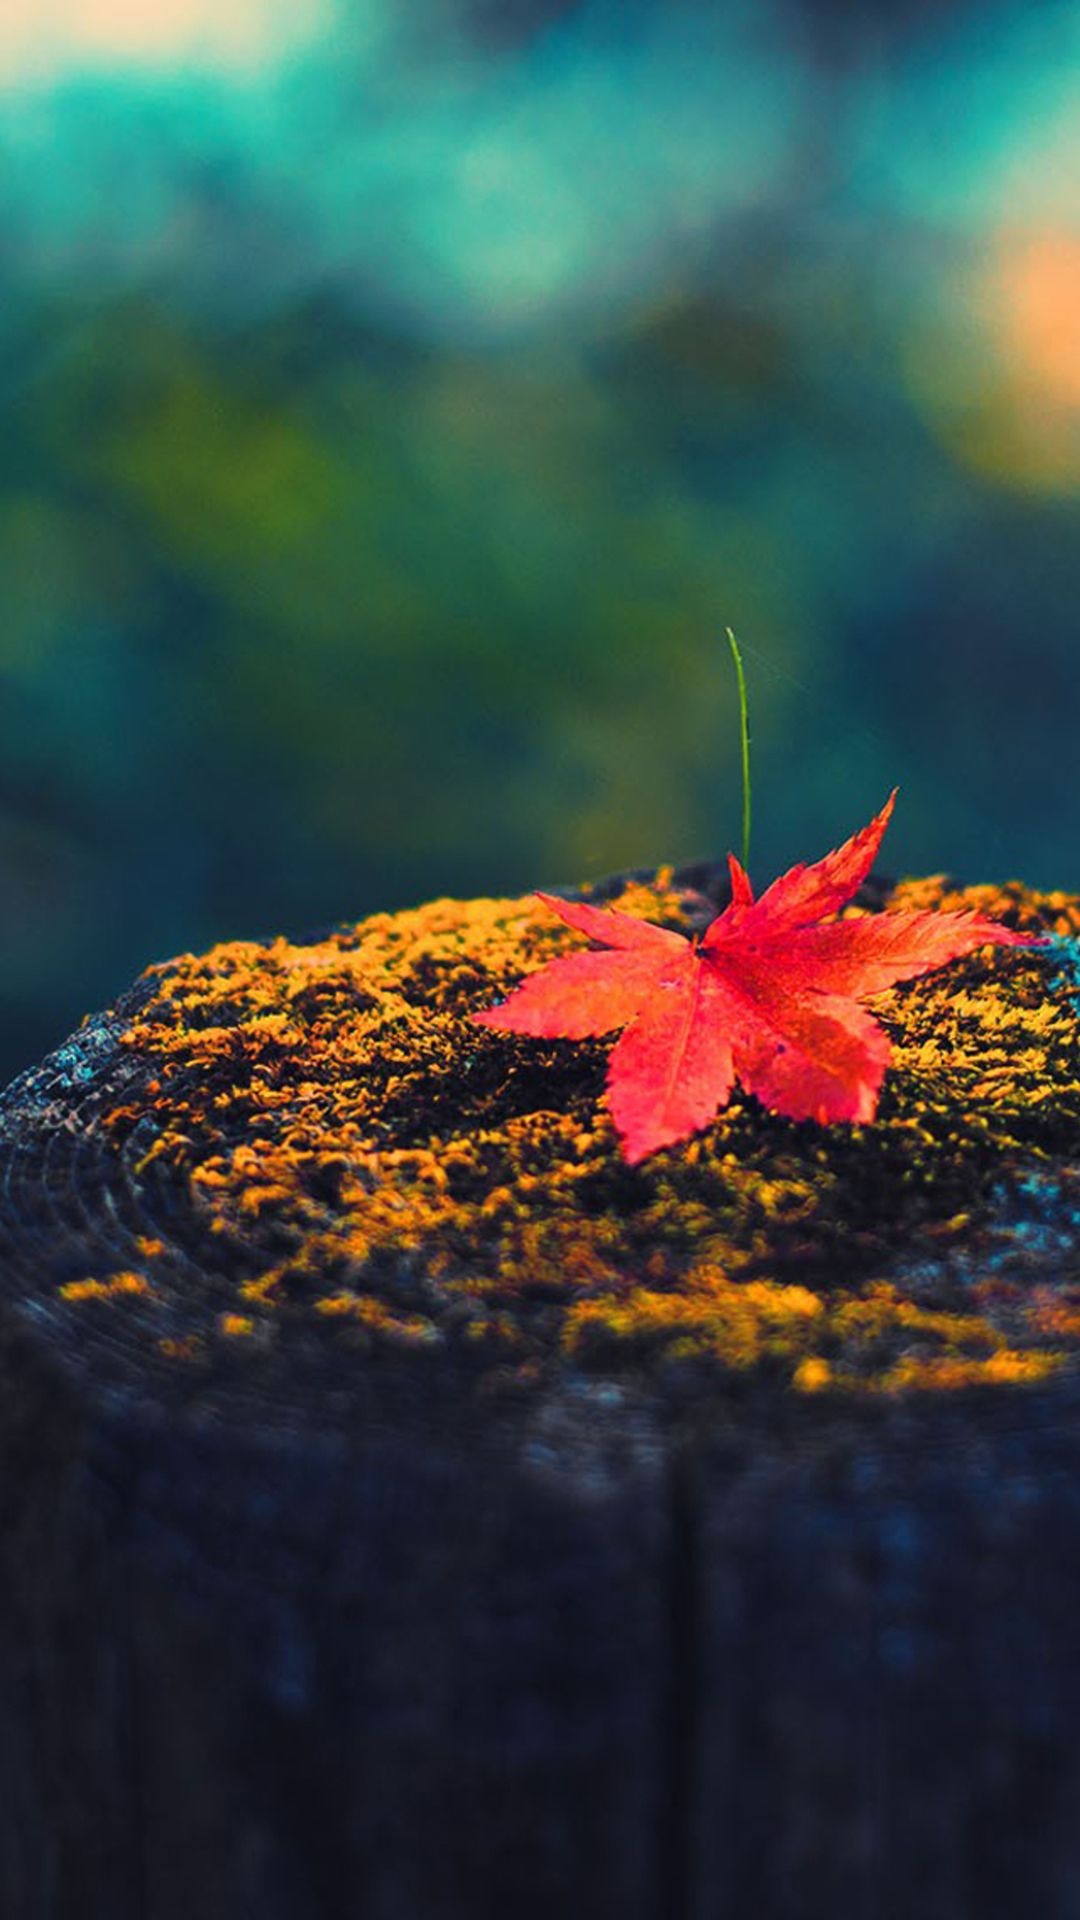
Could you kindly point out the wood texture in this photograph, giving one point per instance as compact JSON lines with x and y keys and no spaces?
{"x":303,"y":1635}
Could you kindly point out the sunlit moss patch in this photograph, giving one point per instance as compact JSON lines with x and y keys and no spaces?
{"x":373,"y":1163}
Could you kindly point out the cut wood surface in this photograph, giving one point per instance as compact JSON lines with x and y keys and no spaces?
{"x":408,"y":1509}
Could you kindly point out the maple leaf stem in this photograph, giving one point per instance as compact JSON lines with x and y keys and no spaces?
{"x":744,"y":734}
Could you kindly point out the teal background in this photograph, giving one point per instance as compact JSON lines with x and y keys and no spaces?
{"x":399,"y":400}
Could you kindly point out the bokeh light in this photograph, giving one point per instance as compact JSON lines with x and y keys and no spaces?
{"x":1039,"y":288}
{"x":399,"y":400}
{"x":42,"y":38}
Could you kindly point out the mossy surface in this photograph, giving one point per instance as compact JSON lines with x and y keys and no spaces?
{"x":345,"y":1150}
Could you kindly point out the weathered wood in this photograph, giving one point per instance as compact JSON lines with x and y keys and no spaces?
{"x":407,"y":1670}
{"x":319,"y":1616}
{"x":887,"y":1666}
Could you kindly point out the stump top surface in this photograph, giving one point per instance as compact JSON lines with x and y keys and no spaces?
{"x":287,"y":1171}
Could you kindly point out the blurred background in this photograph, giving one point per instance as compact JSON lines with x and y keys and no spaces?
{"x":399,"y":396}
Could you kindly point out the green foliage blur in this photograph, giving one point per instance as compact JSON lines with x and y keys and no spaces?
{"x":398,"y":403}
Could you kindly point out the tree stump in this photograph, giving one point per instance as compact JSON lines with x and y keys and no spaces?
{"x":408,"y":1509}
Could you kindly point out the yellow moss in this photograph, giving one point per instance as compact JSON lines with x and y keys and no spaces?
{"x":262,"y":1289}
{"x":236,"y":1325}
{"x":373,"y":1314}
{"x":187,"y":1348}
{"x":735,"y":1321}
{"x":332,"y":1103}
{"x":945,"y":1370}
{"x":784,"y":1303}
{"x":881,"y":1308}
{"x":111,"y":1289}
{"x":812,"y":1375}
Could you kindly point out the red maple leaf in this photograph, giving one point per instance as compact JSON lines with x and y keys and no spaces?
{"x":768,"y":995}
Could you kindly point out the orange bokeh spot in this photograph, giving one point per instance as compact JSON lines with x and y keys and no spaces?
{"x":1000,"y":380}
{"x":1038,"y":290}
